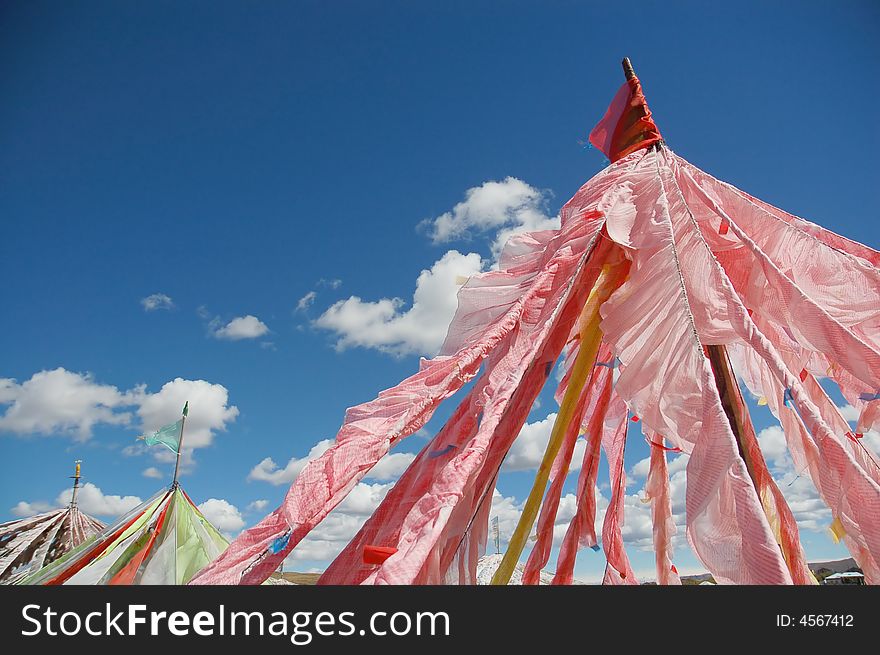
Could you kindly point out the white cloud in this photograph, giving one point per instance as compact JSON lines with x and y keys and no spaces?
{"x":209,"y":412}
{"x":222,"y":515}
{"x":92,"y":500}
{"x":152,"y":472}
{"x":528,"y":449}
{"x":157,"y":301}
{"x":391,"y":466}
{"x":506,"y":207}
{"x":241,"y":327}
{"x":871,"y":441}
{"x":386,"y":326}
{"x":809,"y":511}
{"x":306,"y":301}
{"x":772,"y":442}
{"x":24,"y":508}
{"x":330,"y":536}
{"x":849,"y":412}
{"x":267,"y":470}
{"x":62,"y":401}
{"x":508,"y":511}
{"x":258,"y":505}
{"x":674,"y":464}
{"x":388,"y":468}
{"x":501,"y":209}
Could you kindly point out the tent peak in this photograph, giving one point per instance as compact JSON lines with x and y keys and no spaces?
{"x":76,"y":478}
{"x":627,"y":125}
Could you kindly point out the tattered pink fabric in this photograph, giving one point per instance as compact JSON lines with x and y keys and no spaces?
{"x":581,"y":531}
{"x":712,"y":270}
{"x":618,"y":570}
{"x":657,"y":493}
{"x":540,"y":555}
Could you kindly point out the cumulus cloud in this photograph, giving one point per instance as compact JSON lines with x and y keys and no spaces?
{"x":330,"y":536}
{"x":222,"y":515}
{"x":809,"y":511}
{"x":528,"y":449}
{"x":68,"y":403}
{"x":209,"y":411}
{"x":268,"y":471}
{"x":92,"y":500}
{"x":508,"y":511}
{"x":152,"y":472}
{"x":389,"y":326}
{"x":849,"y":412}
{"x":772,"y":442}
{"x":24,"y":508}
{"x":258,"y":505}
{"x":326,"y":541}
{"x":506,"y":208}
{"x":674,"y":464}
{"x":388,"y":468}
{"x":63,"y":401}
{"x":391,"y":466}
{"x":306,"y":301}
{"x":241,"y":327}
{"x":157,"y":301}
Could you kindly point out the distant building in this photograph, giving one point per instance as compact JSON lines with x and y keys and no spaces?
{"x":847,"y":577}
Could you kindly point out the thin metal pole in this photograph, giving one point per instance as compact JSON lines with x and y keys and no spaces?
{"x":628,"y":68}
{"x":76,"y":476}
{"x":179,"y":450}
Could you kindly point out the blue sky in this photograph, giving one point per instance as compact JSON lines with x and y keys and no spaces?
{"x":238,"y":157}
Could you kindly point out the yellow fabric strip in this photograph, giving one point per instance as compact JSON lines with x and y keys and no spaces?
{"x":837,"y":530}
{"x":591,"y":337}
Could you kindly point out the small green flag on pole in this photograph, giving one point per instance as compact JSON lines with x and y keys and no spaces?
{"x":169,"y":436}
{"x":186,"y":408}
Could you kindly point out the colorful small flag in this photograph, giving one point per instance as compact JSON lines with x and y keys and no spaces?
{"x":169,"y":436}
{"x":279,"y":543}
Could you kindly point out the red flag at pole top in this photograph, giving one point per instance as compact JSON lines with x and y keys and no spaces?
{"x":627,"y":125}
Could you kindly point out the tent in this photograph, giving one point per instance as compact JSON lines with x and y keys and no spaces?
{"x":661,"y":291}
{"x":845,"y":577}
{"x":165,"y":540}
{"x":31,"y":543}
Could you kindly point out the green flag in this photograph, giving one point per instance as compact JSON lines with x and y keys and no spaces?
{"x":169,"y":436}
{"x":186,"y":408}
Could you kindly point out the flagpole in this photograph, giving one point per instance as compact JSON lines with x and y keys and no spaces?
{"x":725,"y":379}
{"x":76,"y":476}
{"x":179,"y":446}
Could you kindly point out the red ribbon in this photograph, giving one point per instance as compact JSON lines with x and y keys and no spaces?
{"x":378,"y":554}
{"x":662,"y":447}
